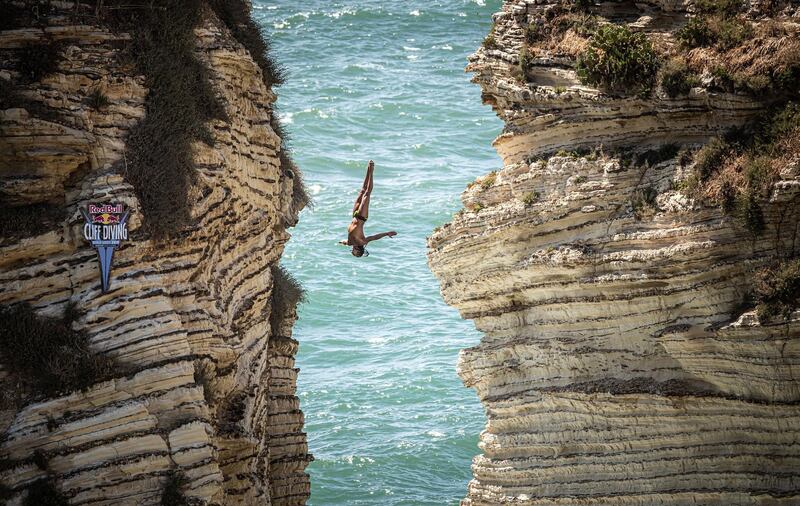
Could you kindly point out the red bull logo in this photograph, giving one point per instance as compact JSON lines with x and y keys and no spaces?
{"x":105,"y":218}
{"x":105,"y":228}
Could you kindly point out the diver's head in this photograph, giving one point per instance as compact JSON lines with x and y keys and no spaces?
{"x":359,"y":251}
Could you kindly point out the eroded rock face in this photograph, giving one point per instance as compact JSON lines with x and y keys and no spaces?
{"x":207,"y":389}
{"x":617,"y":365}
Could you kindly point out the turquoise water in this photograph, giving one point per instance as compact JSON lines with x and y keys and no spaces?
{"x":388,"y":420}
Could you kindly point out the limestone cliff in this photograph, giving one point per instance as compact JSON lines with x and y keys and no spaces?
{"x":623,"y":361}
{"x":202,"y":393}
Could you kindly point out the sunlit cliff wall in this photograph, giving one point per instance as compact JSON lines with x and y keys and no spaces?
{"x":623,"y":361}
{"x":202,"y":395}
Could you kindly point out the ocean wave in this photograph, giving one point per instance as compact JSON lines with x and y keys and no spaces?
{"x":287,"y":118}
{"x":365,"y":66}
{"x":347,"y":11}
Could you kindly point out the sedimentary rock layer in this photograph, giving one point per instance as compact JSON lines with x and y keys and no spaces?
{"x":205,"y":388}
{"x":617,"y":366}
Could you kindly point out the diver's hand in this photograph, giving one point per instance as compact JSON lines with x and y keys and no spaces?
{"x":391,"y":234}
{"x":371,"y":164}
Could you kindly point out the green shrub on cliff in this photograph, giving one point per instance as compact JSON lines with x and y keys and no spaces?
{"x":46,"y":355}
{"x":27,"y":221}
{"x":524,"y":62}
{"x":726,"y":8}
{"x":39,"y":60}
{"x":173,"y":494}
{"x":618,"y":59}
{"x":300,"y":196}
{"x":237,"y":17}
{"x":676,"y":79}
{"x":490,"y":42}
{"x":489,"y":180}
{"x":738,"y":172}
{"x":97,"y":100}
{"x":44,"y":493}
{"x":718,"y":30}
{"x":287,"y":293}
{"x":530,"y":198}
{"x":710,"y":157}
{"x":777,"y":289}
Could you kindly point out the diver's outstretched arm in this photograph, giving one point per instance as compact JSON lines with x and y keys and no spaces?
{"x":375,"y":237}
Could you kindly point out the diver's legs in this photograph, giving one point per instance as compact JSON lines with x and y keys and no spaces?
{"x":366,"y":188}
{"x":363,"y":209}
{"x":368,"y":180}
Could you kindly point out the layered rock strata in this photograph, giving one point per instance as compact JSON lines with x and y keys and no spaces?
{"x":204,"y":388}
{"x":617,"y":365}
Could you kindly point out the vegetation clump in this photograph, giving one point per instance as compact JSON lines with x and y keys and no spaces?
{"x":39,"y":60}
{"x":653,"y":157}
{"x":737,"y":172}
{"x":710,"y":157}
{"x":44,"y":493}
{"x":727,"y":8}
{"x":716,"y":25}
{"x":489,"y":180}
{"x":643,"y":201}
{"x":618,"y":59}
{"x":287,"y":293}
{"x":97,"y":100}
{"x":490,"y":42}
{"x":300,"y":196}
{"x":46,"y":355}
{"x":237,"y":16}
{"x":524,"y":62}
{"x":159,"y":157}
{"x":777,"y":289}
{"x":530,"y":198}
{"x":17,"y":222}
{"x":173,"y":494}
{"x":676,"y":78}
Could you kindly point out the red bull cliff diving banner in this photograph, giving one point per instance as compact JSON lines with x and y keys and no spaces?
{"x":106,"y":227}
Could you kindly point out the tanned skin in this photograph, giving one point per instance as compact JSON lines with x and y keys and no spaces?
{"x":355,"y":231}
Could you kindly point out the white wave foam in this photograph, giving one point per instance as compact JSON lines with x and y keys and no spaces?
{"x":415,"y":12}
{"x":366,"y":66}
{"x":287,"y":118}
{"x":343,"y":12}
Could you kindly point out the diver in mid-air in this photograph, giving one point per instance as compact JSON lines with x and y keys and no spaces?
{"x":355,"y":231}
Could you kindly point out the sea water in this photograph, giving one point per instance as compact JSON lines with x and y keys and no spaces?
{"x":388,"y":420}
